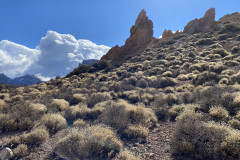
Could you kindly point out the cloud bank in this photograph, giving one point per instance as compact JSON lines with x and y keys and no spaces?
{"x":56,"y":55}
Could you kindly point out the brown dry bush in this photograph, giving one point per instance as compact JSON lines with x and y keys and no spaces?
{"x":218,"y":113}
{"x":136,"y":131}
{"x":206,"y":41}
{"x":132,"y":96}
{"x":176,"y":110}
{"x":234,"y":123}
{"x":20,"y":151}
{"x":161,"y":106}
{"x":126,"y":155}
{"x":230,"y":147}
{"x":35,"y":137}
{"x":121,"y":114}
{"x":198,"y":140}
{"x":60,"y":104}
{"x":95,"y":98}
{"x":89,"y":142}
{"x":142,"y":83}
{"x":206,"y":77}
{"x":79,"y":123}
{"x":7,"y":123}
{"x":53,"y":122}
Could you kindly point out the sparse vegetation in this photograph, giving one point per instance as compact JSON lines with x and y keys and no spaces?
{"x":188,"y":82}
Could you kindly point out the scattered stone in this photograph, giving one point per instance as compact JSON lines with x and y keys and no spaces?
{"x":6,"y":154}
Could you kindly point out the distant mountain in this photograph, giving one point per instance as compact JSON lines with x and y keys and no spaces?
{"x":88,"y":62}
{"x":4,"y":79}
{"x":23,"y":80}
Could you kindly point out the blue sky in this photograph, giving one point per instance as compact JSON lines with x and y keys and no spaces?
{"x":51,"y":37}
{"x":100,"y":21}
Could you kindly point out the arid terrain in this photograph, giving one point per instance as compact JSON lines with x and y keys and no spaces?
{"x":176,"y":97}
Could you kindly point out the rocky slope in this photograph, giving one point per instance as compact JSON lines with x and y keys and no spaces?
{"x":176,"y":97}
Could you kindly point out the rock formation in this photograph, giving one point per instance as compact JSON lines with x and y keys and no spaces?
{"x":230,"y":18}
{"x":6,"y":154}
{"x":167,"y":33}
{"x":141,"y":35}
{"x":204,"y":24}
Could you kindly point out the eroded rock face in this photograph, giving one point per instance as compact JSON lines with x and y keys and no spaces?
{"x":204,"y":24}
{"x":230,"y":18}
{"x":167,"y":34}
{"x":141,"y":35}
{"x":142,"y":31}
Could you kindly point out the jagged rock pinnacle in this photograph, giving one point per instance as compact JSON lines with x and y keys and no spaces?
{"x":141,"y":34}
{"x":204,"y":24}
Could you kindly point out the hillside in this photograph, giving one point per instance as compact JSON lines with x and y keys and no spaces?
{"x":177,"y":97}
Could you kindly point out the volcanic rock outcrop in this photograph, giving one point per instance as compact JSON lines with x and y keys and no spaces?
{"x":141,"y":35}
{"x":204,"y":24}
{"x":167,"y":33}
{"x":230,"y":18}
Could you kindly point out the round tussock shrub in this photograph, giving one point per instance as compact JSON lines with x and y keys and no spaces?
{"x":53,"y":122}
{"x":90,"y":142}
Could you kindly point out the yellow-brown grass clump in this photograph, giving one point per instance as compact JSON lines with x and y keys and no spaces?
{"x":60,"y":104}
{"x":90,"y":142}
{"x":53,"y":122}
{"x":127,"y":155}
{"x":218,"y":113}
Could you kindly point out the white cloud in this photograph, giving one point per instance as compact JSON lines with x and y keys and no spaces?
{"x":15,"y":59}
{"x":43,"y":78}
{"x":56,"y":55}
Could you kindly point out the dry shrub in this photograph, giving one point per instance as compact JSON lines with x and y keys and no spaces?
{"x":164,"y":82}
{"x":78,"y":98}
{"x":37,"y":109}
{"x":136,"y":131}
{"x":132,"y":96}
{"x":21,"y":150}
{"x":35,"y":137}
{"x":218,"y":113}
{"x":206,"y":77}
{"x":95,"y":98}
{"x":167,"y":74}
{"x":132,"y":80}
{"x":206,"y":41}
{"x":60,"y":104}
{"x":4,"y":96}
{"x":147,"y":98}
{"x":7,"y":123}
{"x":79,"y":123}
{"x":142,"y":83}
{"x":231,"y":146}
{"x":53,"y":122}
{"x":17,"y":98}
{"x":238,"y":116}
{"x":198,"y":140}
{"x":126,"y":155}
{"x":89,"y":142}
{"x":161,"y":106}
{"x":220,"y":51}
{"x":235,"y":50}
{"x":234,"y":123}
{"x":121,"y":114}
{"x":178,"y":109}
{"x":2,"y":103}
